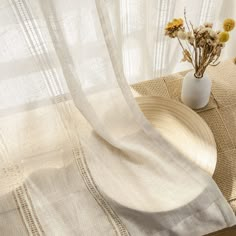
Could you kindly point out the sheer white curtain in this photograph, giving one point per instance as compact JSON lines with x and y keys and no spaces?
{"x":78,"y":156}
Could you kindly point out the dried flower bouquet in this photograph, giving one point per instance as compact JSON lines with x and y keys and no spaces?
{"x":201,"y":45}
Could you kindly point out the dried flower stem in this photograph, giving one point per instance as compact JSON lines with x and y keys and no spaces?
{"x":185,"y":17}
{"x":190,"y":59}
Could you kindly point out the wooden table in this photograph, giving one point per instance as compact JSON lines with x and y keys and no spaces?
{"x":219,"y":114}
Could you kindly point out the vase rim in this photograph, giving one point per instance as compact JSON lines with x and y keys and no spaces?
{"x":192,"y":72}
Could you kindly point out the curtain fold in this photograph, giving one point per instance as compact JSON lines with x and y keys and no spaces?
{"x":79,"y":157}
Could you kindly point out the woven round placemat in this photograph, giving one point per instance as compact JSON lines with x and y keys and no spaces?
{"x":183,"y":128}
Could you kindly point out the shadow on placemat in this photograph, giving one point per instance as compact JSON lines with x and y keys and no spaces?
{"x":225,"y":232}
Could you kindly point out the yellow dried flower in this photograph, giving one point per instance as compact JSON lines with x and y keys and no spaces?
{"x":224,"y":37}
{"x":228,"y":24}
{"x":176,"y":23}
{"x":173,"y":27}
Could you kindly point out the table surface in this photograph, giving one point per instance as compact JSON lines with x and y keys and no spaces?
{"x":219,"y":114}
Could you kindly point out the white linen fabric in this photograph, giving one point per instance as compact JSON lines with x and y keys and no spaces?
{"x":78,"y":156}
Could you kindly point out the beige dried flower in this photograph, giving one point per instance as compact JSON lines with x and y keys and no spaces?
{"x":181,"y":35}
{"x":208,"y":25}
{"x":209,"y":41}
{"x":201,"y":43}
{"x":213,"y":34}
{"x":190,"y":37}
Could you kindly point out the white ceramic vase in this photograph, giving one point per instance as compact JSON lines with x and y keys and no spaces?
{"x":195,"y":91}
